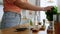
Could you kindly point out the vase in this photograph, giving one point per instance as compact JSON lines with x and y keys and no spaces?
{"x":50,"y":27}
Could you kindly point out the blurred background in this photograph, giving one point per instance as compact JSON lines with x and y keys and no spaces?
{"x":37,"y":16}
{"x":31,"y":14}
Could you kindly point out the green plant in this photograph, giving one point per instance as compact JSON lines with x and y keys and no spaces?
{"x":51,"y":12}
{"x":31,"y":22}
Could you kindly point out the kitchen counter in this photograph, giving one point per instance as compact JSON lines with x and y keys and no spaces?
{"x":12,"y":31}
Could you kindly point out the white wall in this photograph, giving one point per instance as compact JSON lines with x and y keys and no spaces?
{"x":1,"y":12}
{"x":1,"y":2}
{"x":58,"y":5}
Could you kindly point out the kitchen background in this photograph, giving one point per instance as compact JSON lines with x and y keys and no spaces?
{"x":38,"y":16}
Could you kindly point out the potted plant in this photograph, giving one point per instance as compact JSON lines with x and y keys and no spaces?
{"x":50,"y":14}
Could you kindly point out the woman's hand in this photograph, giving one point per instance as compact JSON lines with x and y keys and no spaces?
{"x":48,"y":8}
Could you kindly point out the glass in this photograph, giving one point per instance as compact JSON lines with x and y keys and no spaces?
{"x":50,"y":29}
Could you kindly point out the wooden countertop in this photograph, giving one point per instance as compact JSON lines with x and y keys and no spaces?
{"x":13,"y":29}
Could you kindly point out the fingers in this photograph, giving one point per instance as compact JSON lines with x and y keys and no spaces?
{"x":48,"y":8}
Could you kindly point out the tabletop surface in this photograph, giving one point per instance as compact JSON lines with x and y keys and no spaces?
{"x":13,"y":29}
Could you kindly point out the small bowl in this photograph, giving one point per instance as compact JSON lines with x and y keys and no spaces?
{"x":21,"y":29}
